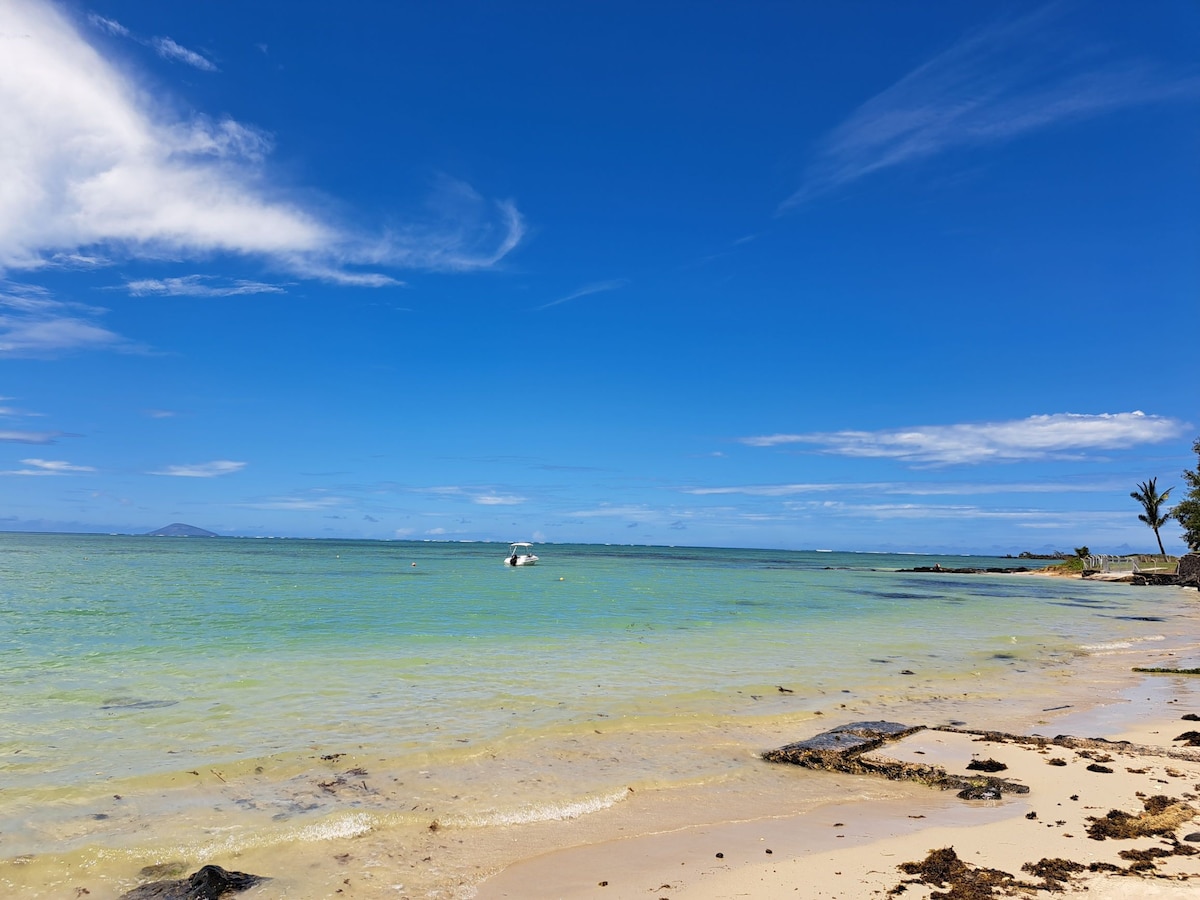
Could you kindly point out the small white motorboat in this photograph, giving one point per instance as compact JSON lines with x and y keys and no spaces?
{"x":520,"y":554}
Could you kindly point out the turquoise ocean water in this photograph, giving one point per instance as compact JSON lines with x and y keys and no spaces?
{"x":170,"y":698}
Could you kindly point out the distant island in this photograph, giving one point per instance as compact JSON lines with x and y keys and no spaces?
{"x":178,"y":529}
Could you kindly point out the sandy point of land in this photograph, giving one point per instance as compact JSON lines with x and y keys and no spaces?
{"x":855,"y":850}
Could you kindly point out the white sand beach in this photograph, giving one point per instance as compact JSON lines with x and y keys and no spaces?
{"x":854,"y":850}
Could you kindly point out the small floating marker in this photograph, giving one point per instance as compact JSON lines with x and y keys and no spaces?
{"x":560,"y":578}
{"x":414,"y":565}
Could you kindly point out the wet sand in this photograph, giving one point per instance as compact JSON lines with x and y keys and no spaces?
{"x":855,"y":850}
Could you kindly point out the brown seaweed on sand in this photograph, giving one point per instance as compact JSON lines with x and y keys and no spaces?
{"x":962,"y":881}
{"x":943,"y":869}
{"x":1161,"y":816}
{"x":1054,"y":872}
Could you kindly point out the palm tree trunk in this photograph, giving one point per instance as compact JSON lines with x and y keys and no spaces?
{"x":1161,"y":551}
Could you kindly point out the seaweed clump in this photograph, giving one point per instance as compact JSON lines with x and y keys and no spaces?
{"x":957,"y":880}
{"x":943,"y":869}
{"x":1161,"y":816}
{"x":1055,"y":873}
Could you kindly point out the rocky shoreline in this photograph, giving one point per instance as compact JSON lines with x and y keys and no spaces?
{"x":1187,"y":575}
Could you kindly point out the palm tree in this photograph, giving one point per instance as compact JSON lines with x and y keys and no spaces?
{"x":1147,"y":494}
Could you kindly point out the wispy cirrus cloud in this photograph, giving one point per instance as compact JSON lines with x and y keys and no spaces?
{"x":605,"y":511}
{"x":35,"y":324}
{"x":169,"y":49}
{"x":305,"y":502}
{"x":163,"y":46}
{"x":13,"y":413}
{"x":479,"y":495}
{"x":199,"y":286}
{"x":49,"y":467}
{"x":1057,"y":436}
{"x":31,"y":437}
{"x":212,"y":469}
{"x":1020,"y":518}
{"x":597,"y":287}
{"x":493,"y":499}
{"x":111,"y":26}
{"x":909,"y":489}
{"x":1006,"y":80}
{"x":92,"y":167}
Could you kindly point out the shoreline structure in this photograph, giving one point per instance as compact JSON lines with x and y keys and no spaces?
{"x":763,"y":830}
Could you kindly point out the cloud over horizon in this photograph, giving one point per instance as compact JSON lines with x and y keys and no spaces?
{"x":202,"y":470}
{"x":1057,"y":436}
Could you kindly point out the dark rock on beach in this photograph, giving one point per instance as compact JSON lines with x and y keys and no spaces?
{"x":207,"y":883}
{"x":1161,"y":579}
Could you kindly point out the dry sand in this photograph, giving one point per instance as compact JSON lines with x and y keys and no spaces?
{"x":854,"y":850}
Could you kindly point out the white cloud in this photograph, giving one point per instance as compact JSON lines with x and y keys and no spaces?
{"x":163,"y":46}
{"x":297,"y":504}
{"x":612,"y":511}
{"x":49,"y":467}
{"x":12,"y":412}
{"x":1021,"y":518}
{"x":1057,"y":436}
{"x":493,"y":499}
{"x":995,"y":85}
{"x":480,"y":495}
{"x":168,"y":49}
{"x":203,"y":470}
{"x":110,"y":25}
{"x":198,"y":286}
{"x":91,"y":168}
{"x":32,"y":323}
{"x":912,"y":489}
{"x":775,"y":490}
{"x":31,"y":437}
{"x":78,"y":261}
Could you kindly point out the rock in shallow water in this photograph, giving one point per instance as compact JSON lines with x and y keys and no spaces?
{"x":207,"y":883}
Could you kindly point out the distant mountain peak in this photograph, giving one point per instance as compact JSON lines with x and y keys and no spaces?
{"x":178,"y":529}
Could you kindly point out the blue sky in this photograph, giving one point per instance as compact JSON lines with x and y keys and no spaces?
{"x":857,"y":275}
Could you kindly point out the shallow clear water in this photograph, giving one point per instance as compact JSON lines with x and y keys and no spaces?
{"x":143,"y":667}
